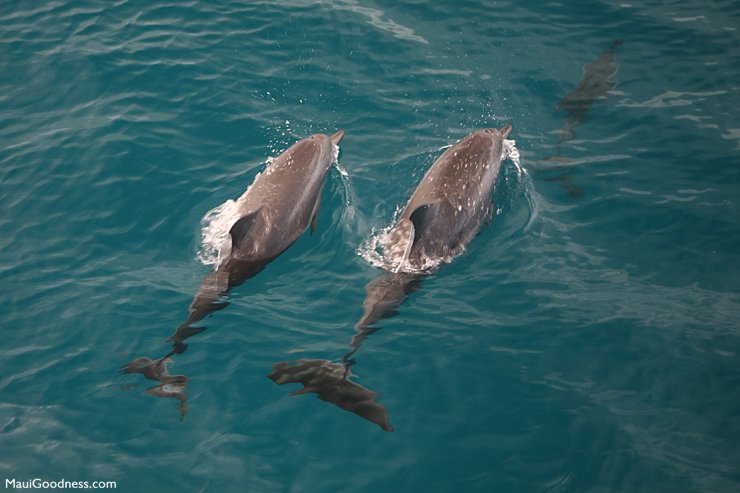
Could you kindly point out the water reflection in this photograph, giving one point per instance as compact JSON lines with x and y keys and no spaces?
{"x":170,"y":386}
{"x":330,"y":381}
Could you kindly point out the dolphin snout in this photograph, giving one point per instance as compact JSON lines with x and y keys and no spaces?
{"x":334,"y":138}
{"x":503,"y":131}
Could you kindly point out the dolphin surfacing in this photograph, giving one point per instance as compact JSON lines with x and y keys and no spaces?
{"x":445,"y":212}
{"x":451,"y":203}
{"x":277,"y":208}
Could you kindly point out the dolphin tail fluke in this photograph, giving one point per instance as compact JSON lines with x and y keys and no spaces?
{"x":146,"y":366}
{"x":617,"y":42}
{"x":505,"y":131}
{"x":331,"y":383}
{"x":171,"y":386}
{"x":337,"y":137}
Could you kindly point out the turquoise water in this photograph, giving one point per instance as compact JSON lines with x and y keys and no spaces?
{"x":586,"y":341}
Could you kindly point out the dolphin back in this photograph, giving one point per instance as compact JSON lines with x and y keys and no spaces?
{"x":450,"y":204}
{"x":283,"y":201}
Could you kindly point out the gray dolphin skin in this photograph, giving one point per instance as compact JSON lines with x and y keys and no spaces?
{"x":277,"y":208}
{"x":448,"y":208}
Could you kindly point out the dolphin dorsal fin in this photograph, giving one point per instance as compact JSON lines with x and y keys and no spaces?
{"x":421,"y":218}
{"x":240,"y":230}
{"x":337,"y":137}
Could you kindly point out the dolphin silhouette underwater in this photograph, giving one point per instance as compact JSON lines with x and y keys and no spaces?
{"x":597,"y":80}
{"x":446,"y":211}
{"x":275,"y":210}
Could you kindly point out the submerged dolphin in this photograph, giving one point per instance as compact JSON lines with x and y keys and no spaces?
{"x":597,"y":80}
{"x":276,"y":209}
{"x":448,"y":208}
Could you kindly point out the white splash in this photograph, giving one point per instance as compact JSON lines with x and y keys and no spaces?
{"x":512,"y":154}
{"x":381,"y":252}
{"x":345,"y":179}
{"x":374,"y":248}
{"x":335,"y":159}
{"x":215,"y":243}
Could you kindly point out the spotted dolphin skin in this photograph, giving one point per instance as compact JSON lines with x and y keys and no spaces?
{"x":451,"y":203}
{"x":448,"y":208}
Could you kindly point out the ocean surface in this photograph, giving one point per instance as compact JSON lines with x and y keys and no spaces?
{"x":587,"y":340}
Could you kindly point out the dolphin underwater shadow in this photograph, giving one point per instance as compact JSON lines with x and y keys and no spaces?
{"x":446,"y":211}
{"x":275,"y":210}
{"x":597,"y":80}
